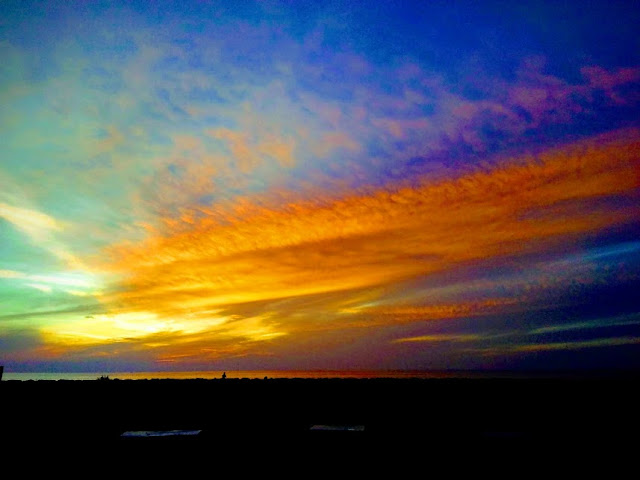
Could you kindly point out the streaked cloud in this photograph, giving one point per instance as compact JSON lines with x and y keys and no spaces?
{"x":624,"y":320}
{"x":35,"y":224}
{"x":363,"y":241}
{"x":441,"y":338}
{"x":600,"y":342}
{"x":41,"y":230}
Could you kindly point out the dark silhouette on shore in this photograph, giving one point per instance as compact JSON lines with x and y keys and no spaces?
{"x":449,"y":418}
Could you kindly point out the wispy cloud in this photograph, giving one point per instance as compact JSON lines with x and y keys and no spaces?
{"x":624,"y":320}
{"x":573,"y":345}
{"x":471,"y":337}
{"x":316,"y":248}
{"x":40,"y":229}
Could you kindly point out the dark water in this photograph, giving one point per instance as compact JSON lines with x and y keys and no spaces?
{"x":305,"y":420}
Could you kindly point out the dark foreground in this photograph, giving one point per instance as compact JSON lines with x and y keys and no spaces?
{"x":456,"y":424}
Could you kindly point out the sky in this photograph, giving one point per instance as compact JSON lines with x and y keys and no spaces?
{"x":319,"y":185}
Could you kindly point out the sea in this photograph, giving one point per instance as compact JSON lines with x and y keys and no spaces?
{"x":273,"y":374}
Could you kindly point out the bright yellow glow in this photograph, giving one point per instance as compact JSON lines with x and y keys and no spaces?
{"x":133,"y":325}
{"x":126,"y":325}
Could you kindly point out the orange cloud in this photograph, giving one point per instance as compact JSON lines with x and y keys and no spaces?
{"x":368,"y":316}
{"x":248,"y":155}
{"x":340,"y":246}
{"x":335,"y":140}
{"x":441,"y":338}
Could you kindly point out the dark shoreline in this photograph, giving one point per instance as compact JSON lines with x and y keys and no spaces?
{"x":349,"y":375}
{"x":519,"y":418}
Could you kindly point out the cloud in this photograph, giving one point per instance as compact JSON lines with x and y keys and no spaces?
{"x":613,"y":83}
{"x":19,"y":344}
{"x":441,"y":338}
{"x":11,"y":274}
{"x":248,"y":155}
{"x":623,"y":320}
{"x":41,"y":229}
{"x":41,"y":287}
{"x":571,"y":345}
{"x":333,"y":141}
{"x":321,"y":248}
{"x":33,"y":223}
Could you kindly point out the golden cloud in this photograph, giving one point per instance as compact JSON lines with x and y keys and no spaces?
{"x":327,"y":246}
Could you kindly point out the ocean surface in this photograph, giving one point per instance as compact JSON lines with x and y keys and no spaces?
{"x":261,"y":374}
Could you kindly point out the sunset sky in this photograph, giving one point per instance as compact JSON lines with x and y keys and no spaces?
{"x":319,"y":185}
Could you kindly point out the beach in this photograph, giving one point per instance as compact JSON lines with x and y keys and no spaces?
{"x":327,"y":420}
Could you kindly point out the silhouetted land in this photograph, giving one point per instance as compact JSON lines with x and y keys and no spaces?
{"x":406,"y":421}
